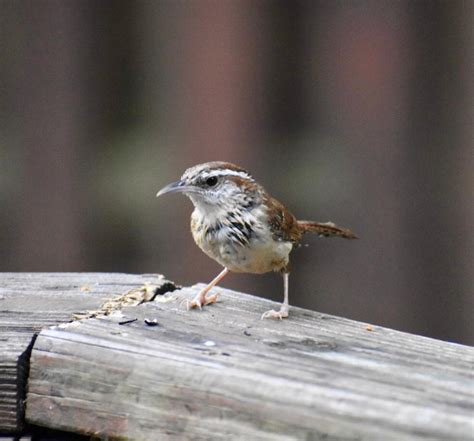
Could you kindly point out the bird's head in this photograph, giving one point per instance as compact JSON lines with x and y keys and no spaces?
{"x":215,"y":185}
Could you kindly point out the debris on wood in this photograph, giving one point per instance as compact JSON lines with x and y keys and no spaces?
{"x":136,"y":296}
{"x":126,"y":322}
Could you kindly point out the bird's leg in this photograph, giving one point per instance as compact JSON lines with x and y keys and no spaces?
{"x":201,"y":299}
{"x":285,"y":307}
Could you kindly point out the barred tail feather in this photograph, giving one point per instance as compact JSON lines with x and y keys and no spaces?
{"x":326,"y":229}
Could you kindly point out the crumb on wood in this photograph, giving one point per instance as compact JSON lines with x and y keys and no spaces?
{"x":134,"y":297}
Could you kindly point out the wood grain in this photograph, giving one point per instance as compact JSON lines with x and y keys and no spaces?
{"x":32,"y":301}
{"x":222,"y":373}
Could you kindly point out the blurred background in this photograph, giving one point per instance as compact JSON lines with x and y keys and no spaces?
{"x":358,"y":112}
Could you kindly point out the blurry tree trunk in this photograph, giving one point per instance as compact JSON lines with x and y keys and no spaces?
{"x":51,"y":89}
{"x":439,"y":210}
{"x":466,"y":175}
{"x":410,"y":145}
{"x":222,"y":79}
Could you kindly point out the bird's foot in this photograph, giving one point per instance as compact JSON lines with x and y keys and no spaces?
{"x":201,"y":300}
{"x":281,"y":314}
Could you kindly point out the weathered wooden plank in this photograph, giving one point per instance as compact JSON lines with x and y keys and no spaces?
{"x":222,"y":373}
{"x":31,"y":301}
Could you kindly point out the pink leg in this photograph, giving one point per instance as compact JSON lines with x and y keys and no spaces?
{"x":284,"y":308}
{"x":201,"y":299}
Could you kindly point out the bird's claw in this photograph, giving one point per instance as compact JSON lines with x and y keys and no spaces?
{"x":199,"y":301}
{"x":281,"y":314}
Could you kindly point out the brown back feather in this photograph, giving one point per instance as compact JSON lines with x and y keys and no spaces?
{"x":285,"y":227}
{"x":283,"y":224}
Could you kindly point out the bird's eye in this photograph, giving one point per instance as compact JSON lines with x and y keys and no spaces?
{"x":211,"y":181}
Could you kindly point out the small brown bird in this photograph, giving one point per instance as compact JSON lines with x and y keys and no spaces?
{"x":239,"y":225}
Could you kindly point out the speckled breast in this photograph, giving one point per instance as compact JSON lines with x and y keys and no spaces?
{"x":240,"y":249}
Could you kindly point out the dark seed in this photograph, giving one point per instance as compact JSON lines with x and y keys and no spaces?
{"x":126,"y":322}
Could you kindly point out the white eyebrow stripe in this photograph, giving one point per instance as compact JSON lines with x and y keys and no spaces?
{"x":226,"y":172}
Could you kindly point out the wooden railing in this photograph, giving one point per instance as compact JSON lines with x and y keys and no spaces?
{"x":135,"y":364}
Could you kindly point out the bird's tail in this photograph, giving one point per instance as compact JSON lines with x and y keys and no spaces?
{"x":326,"y":229}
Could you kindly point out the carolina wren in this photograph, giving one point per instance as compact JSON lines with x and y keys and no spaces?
{"x":239,"y":225}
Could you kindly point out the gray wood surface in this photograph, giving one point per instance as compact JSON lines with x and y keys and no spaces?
{"x":31,"y":301}
{"x":222,"y":373}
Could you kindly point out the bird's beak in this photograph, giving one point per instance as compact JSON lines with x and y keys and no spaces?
{"x":175,"y":187}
